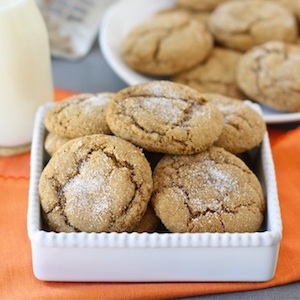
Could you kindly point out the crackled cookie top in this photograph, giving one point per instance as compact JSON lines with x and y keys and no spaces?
{"x":244,"y":127}
{"x":217,"y":74}
{"x":96,"y":183}
{"x":213,"y":191}
{"x":167,"y":117}
{"x":79,"y":115}
{"x":270,"y":74}
{"x":155,"y":47}
{"x":241,"y":25}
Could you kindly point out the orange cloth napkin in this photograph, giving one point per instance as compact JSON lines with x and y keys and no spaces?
{"x":18,"y":282}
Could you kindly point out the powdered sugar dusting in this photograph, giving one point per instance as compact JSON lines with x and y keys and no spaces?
{"x":88,"y":193}
{"x":157,"y":88}
{"x":171,"y":111}
{"x":96,"y":101}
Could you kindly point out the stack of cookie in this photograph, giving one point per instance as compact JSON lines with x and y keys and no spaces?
{"x":241,"y":49}
{"x":195,"y":183}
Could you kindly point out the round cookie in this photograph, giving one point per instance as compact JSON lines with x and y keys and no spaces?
{"x":155,"y":46}
{"x":241,"y":25}
{"x":95,"y":183}
{"x":217,"y":74}
{"x":53,"y":142}
{"x":149,"y":222}
{"x":202,"y":5}
{"x":244,"y":128}
{"x":270,"y":74}
{"x":79,"y":115}
{"x":213,"y":191}
{"x":166,"y":117}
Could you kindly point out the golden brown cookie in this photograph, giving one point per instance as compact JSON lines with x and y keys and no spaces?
{"x":213,"y":191}
{"x":217,"y":74}
{"x":53,"y":142}
{"x":201,"y":5}
{"x":244,"y":127}
{"x":201,"y":16}
{"x":95,"y":183}
{"x":166,"y":117}
{"x":270,"y":74}
{"x":241,"y":25}
{"x":155,"y":46}
{"x":79,"y":115}
{"x":291,"y":5}
{"x":149,"y":222}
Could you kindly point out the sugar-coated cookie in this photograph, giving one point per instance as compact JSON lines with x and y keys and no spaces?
{"x":270,"y":74}
{"x":241,"y":25}
{"x":156,"y":46}
{"x":95,"y":183}
{"x":244,"y":128}
{"x":166,"y":117}
{"x":53,"y":142}
{"x":213,"y":191}
{"x":217,"y":74}
{"x":79,"y":115}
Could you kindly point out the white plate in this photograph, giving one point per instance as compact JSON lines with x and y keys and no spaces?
{"x":153,"y":257}
{"x":115,"y":26}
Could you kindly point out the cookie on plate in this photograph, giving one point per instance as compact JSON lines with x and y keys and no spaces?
{"x":213,"y":191}
{"x":166,"y":117}
{"x":270,"y":74}
{"x":149,"y":222}
{"x":202,"y":5}
{"x":95,"y":183}
{"x":79,"y":115}
{"x":53,"y":142}
{"x":241,"y":25}
{"x":156,"y":47}
{"x":244,"y":127}
{"x":217,"y":74}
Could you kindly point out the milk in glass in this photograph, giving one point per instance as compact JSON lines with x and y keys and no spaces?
{"x":25,"y":72}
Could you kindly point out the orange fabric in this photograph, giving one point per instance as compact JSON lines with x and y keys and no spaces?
{"x":18,"y":282}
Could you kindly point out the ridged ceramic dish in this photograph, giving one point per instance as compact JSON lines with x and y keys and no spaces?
{"x":156,"y":257}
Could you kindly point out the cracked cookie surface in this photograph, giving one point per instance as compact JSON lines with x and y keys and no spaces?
{"x":79,"y":115}
{"x":155,"y":46}
{"x":96,"y":183}
{"x":240,"y":25}
{"x":270,"y":74}
{"x":217,"y":74}
{"x":166,"y":117}
{"x":244,"y":128}
{"x":213,"y":191}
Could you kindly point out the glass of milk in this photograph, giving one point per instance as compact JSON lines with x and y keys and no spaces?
{"x":25,"y":72}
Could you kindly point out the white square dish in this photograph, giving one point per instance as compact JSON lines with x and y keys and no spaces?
{"x":153,"y":257}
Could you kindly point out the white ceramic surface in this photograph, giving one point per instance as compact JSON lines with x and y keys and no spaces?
{"x":115,"y":26}
{"x":140,"y":257}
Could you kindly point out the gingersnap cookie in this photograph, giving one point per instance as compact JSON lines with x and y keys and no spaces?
{"x":217,"y":74}
{"x":166,"y":117}
{"x":244,"y":127}
{"x":149,"y":222}
{"x":95,"y":183}
{"x":291,"y":5}
{"x":241,"y":25}
{"x":79,"y":115}
{"x":203,"y":5}
{"x":270,"y":74}
{"x":53,"y":142}
{"x":155,"y":46}
{"x":213,"y":191}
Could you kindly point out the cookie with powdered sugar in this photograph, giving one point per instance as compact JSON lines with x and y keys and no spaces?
{"x":79,"y":115}
{"x":213,"y":191}
{"x":95,"y":183}
{"x":166,"y":117}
